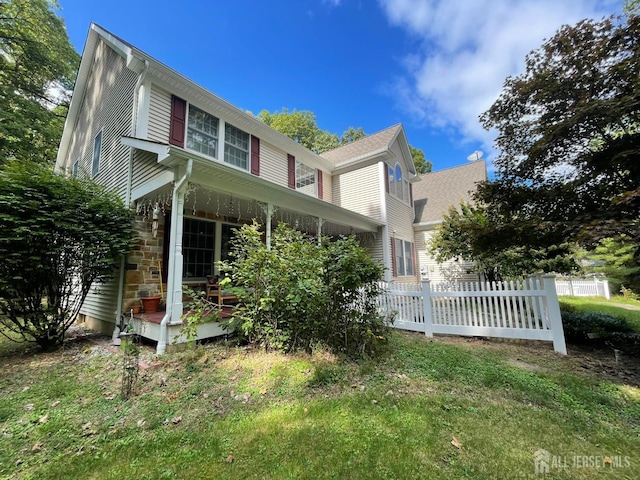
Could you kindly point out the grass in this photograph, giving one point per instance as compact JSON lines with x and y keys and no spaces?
{"x":626,"y":308}
{"x":226,"y":412}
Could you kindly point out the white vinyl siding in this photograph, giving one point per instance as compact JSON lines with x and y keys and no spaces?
{"x":429,"y":268}
{"x":101,"y":300}
{"x":159,"y":115}
{"x":273,"y":164}
{"x":359,"y":191}
{"x":106,"y":108}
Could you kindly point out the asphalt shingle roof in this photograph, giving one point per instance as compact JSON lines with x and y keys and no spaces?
{"x":364,"y":147}
{"x":435,"y":192}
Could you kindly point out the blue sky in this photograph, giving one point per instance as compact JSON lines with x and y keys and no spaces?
{"x":433,"y":65}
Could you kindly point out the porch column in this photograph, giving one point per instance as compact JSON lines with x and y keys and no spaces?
{"x":174,"y":270}
{"x":320,"y":223}
{"x":268,"y":210}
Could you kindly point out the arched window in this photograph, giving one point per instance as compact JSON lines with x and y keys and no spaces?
{"x":398,"y":182}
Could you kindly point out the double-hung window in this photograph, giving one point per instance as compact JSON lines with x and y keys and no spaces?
{"x":198,"y":242}
{"x":236,"y":147}
{"x":305,"y":178}
{"x":202,"y":132}
{"x":404,"y":258}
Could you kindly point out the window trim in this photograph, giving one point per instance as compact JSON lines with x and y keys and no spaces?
{"x":310,"y":173}
{"x":201,"y":132}
{"x":247,"y":159}
{"x":404,"y":258}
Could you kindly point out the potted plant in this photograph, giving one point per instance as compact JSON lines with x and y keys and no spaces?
{"x":150,"y":303}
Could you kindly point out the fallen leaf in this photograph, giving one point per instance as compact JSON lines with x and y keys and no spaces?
{"x":36,"y":447}
{"x":229,"y":459}
{"x":55,"y":404}
{"x":26,"y":388}
{"x":141,"y":422}
{"x":607,"y":460}
{"x":44,"y":418}
{"x":306,"y":410}
{"x":456,"y":443}
{"x":86,"y":426}
{"x":176,"y":420}
{"x":390,"y":392}
{"x":29,"y":406}
{"x":109,"y":396}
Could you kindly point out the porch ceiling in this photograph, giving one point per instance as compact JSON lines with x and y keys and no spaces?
{"x":223,"y":190}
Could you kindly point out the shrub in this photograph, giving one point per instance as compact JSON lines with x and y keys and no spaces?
{"x":57,"y":237}
{"x":302,"y":292}
{"x":587,"y":326}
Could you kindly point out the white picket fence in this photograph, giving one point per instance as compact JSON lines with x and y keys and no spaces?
{"x":583,"y":288}
{"x":525,"y":309}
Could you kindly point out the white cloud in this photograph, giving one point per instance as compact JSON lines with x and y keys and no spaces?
{"x":468,"y":48}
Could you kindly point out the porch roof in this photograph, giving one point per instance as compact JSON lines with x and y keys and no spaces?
{"x":221,"y":177}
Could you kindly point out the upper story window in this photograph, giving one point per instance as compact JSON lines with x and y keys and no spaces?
{"x":97,"y":147}
{"x":74,"y":169}
{"x":398,"y":185}
{"x":305,"y":178}
{"x":202,"y":132}
{"x":236,"y":147}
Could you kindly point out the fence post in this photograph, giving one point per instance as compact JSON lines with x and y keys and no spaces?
{"x":607,"y":294}
{"x":553,"y":309}
{"x":426,"y":305}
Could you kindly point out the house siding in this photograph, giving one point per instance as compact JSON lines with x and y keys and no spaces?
{"x":273,"y":164}
{"x":106,"y":107}
{"x":159,"y":115}
{"x":449,"y":271}
{"x":101,"y":301}
{"x":359,"y":191}
{"x":145,"y":167}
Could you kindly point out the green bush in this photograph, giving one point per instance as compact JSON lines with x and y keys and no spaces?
{"x":302,"y":292}
{"x":588,"y":326}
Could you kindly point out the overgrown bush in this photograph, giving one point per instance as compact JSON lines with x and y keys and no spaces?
{"x":586,"y":326}
{"x":57,"y":237}
{"x":302,"y":292}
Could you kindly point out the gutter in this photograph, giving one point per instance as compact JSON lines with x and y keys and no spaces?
{"x":178,"y":199}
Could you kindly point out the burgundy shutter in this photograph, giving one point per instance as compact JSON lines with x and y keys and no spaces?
{"x":320,"y":184}
{"x":386,"y":177}
{"x":292,"y":171}
{"x":255,"y":155}
{"x":394,"y":271}
{"x":178,"y":121}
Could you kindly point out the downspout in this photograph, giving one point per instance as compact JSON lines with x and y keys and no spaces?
{"x":174,"y":275}
{"x":134,"y":122}
{"x":386,"y":246}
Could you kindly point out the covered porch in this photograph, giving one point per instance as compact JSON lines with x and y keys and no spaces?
{"x":186,"y":218}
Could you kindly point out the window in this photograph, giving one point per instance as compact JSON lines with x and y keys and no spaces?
{"x":202,"y":132}
{"x":305,"y":178}
{"x":198,"y":242}
{"x":236,"y":147}
{"x":74,"y":169}
{"x":404,"y":258}
{"x":398,"y":186}
{"x":398,"y":182}
{"x":97,"y":146}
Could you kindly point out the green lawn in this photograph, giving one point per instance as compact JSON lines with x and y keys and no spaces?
{"x":226,"y":412}
{"x":618,"y":306}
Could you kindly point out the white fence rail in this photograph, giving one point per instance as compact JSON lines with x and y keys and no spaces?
{"x":583,"y":288}
{"x":526,"y":309}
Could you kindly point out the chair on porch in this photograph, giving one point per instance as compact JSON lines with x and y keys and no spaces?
{"x":217,"y":294}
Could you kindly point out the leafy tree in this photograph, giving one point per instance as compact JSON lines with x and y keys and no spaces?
{"x":422,"y":165}
{"x":568,"y":132}
{"x":351,"y":135}
{"x":37,"y":71}
{"x":614,"y":258}
{"x":301,"y":126}
{"x":501,"y":248}
{"x":300,"y":293}
{"x":57,"y":237}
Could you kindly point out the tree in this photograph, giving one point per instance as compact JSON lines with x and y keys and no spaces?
{"x":301,"y":126}
{"x":568,"y":132}
{"x":501,"y":248}
{"x":422,"y":165}
{"x":37,"y":71}
{"x":57,"y":237}
{"x":613,"y":257}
